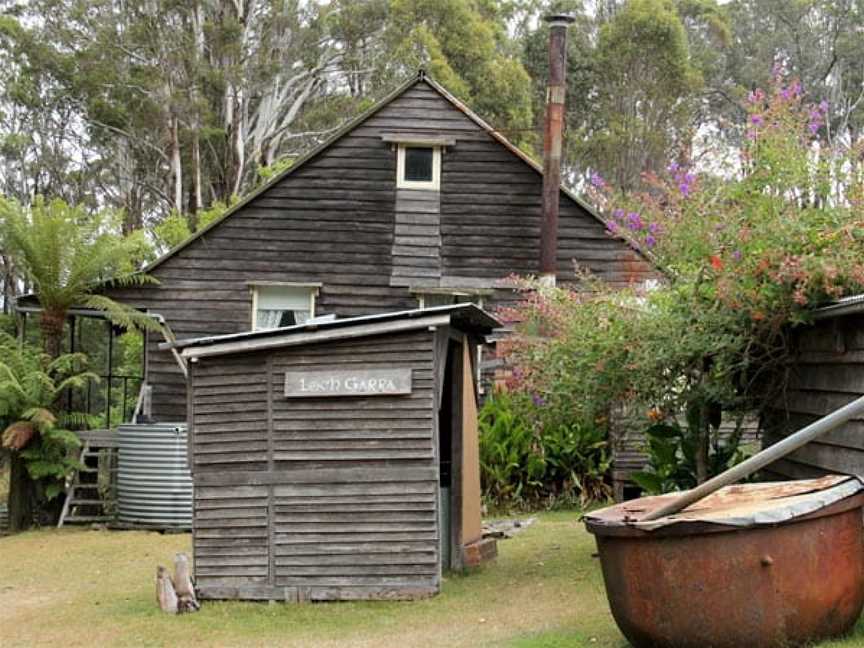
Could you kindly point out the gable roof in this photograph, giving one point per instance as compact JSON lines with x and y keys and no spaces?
{"x":421,"y":77}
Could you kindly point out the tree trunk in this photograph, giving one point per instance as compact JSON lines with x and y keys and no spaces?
{"x":51,"y":324}
{"x":176,"y":165}
{"x":195,"y":202}
{"x":22,"y":494}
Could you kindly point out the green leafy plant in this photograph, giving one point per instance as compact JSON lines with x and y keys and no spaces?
{"x":31,"y":385}
{"x":530,"y":459}
{"x":673,"y":450}
{"x":745,"y":258}
{"x":67,"y":254}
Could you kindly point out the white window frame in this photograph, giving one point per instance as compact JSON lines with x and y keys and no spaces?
{"x":254,"y":286}
{"x":402,"y":183}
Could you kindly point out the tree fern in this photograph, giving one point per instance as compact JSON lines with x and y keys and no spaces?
{"x":31,"y":383}
{"x":70,"y":256}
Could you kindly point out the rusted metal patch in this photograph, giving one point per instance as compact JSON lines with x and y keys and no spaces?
{"x":739,"y":506}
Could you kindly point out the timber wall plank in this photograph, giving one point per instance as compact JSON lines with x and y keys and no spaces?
{"x":315,"y":498}
{"x":337,"y":220}
{"x":828,"y":373}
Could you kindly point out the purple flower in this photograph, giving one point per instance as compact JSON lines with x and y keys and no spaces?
{"x":650,"y":241}
{"x":737,"y":255}
{"x":756,"y":96}
{"x":618,"y":214}
{"x":685,"y":184}
{"x":597,"y":180}
{"x":612,"y":228}
{"x":823,"y":106}
{"x":757,"y":120}
{"x":791,"y":91}
{"x":673,"y":167}
{"x":654,"y":228}
{"x":634,"y":221}
{"x":814,"y":127}
{"x":538,"y":400}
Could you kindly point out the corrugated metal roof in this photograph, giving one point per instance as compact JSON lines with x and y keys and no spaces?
{"x":845,"y":306}
{"x":466,"y":317}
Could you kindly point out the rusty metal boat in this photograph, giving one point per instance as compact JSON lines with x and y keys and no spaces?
{"x":753,"y":565}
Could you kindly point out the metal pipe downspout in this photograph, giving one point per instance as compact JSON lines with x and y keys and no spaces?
{"x":552,"y":144}
{"x":761,"y":459}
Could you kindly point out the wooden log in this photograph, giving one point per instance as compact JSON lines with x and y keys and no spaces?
{"x":166,"y":596}
{"x":186,"y":601}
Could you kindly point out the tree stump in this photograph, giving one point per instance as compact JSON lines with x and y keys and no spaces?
{"x":176,"y":595}
{"x":166,"y":597}
{"x":186,"y":600}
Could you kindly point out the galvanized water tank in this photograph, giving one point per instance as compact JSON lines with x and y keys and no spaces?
{"x":154,"y":486}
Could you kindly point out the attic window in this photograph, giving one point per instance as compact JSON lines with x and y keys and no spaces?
{"x":275,"y":305}
{"x":418,"y":167}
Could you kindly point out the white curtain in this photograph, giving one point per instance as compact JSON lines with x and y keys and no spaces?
{"x":268,"y":319}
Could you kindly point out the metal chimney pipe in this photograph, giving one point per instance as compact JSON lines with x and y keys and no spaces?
{"x":555,"y":91}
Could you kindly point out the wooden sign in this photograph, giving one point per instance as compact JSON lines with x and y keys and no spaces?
{"x":359,"y":382}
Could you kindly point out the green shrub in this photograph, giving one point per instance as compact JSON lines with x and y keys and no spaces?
{"x":31,"y":384}
{"x":532,"y":457}
{"x":745,"y":259}
{"x":672,"y":453}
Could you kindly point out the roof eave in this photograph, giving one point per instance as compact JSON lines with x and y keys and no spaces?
{"x":475,"y":322}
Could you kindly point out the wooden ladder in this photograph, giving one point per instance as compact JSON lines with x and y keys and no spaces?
{"x":88,"y":501}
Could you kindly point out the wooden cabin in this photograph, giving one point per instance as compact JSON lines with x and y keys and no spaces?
{"x":827,"y":373}
{"x":416,"y":203}
{"x":337,"y":460}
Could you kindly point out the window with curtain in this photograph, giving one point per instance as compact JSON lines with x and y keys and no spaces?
{"x":277,"y":306}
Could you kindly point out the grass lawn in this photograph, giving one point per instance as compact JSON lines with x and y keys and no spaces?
{"x":71,"y":588}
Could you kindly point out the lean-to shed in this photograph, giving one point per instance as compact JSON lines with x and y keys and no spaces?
{"x":336,"y":460}
{"x":827,"y":373}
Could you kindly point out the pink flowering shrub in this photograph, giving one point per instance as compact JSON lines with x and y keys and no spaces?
{"x":745,"y":258}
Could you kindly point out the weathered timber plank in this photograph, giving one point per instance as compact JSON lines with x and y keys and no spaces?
{"x":320,"y":572}
{"x":356,"y":559}
{"x":347,"y":537}
{"x":234,"y":513}
{"x":405,"y":581}
{"x":363,"y":515}
{"x":381,"y":454}
{"x":353,"y":549}
{"x":335,"y":478}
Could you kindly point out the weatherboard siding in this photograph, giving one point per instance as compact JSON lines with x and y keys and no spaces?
{"x":334,"y":220}
{"x":315,"y":498}
{"x":828,"y":372}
